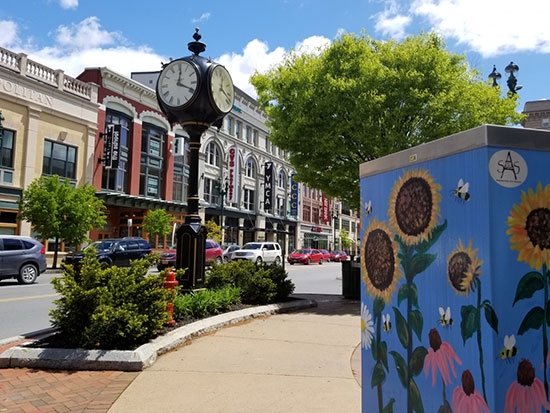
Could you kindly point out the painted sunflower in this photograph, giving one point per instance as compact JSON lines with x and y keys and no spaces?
{"x":380,"y":262}
{"x":414,"y":206}
{"x":529,"y":227}
{"x":463,"y":267}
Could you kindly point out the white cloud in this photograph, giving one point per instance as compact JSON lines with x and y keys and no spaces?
{"x":256,"y":56}
{"x":391,"y":21}
{"x":490,"y":27}
{"x":9,"y":34}
{"x":204,"y":17}
{"x":86,"y":34}
{"x":68,"y":4}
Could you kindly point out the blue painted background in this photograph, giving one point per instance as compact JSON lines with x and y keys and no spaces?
{"x":481,"y":220}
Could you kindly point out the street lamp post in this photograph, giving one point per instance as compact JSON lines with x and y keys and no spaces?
{"x":335,"y":216}
{"x":512,"y":81}
{"x":222,"y":188}
{"x":196,"y":93}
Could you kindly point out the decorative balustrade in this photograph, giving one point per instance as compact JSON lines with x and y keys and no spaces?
{"x":19,"y":63}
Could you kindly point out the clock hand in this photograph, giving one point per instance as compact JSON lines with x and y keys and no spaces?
{"x":178,"y":83}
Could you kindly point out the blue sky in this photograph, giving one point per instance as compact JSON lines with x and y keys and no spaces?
{"x":249,"y":35}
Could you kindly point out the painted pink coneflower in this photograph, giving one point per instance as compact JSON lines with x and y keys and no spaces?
{"x":466,"y":399}
{"x":527,"y":393}
{"x":440,"y":357}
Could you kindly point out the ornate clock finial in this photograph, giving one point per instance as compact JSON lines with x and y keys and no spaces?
{"x":197,"y":46}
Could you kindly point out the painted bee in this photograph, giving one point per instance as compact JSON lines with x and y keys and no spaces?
{"x":368,"y":208}
{"x":461,"y":191}
{"x":445,"y":316}
{"x":510,"y":349}
{"x":386,"y":322}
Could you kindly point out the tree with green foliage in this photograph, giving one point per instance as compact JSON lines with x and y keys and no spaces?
{"x":157,"y":223}
{"x":346,"y":240}
{"x":59,"y":211}
{"x":360,"y":99}
{"x":214,"y":231}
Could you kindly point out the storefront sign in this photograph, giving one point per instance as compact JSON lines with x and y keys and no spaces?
{"x":233,"y":175}
{"x":293,"y":197}
{"x":268,"y":186}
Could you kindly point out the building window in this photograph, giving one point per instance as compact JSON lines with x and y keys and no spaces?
{"x":238,"y":129}
{"x":117,"y":179}
{"x":229,"y":125}
{"x":59,"y":159}
{"x":152,"y":150}
{"x":281,"y":180}
{"x":306,"y":213}
{"x":6,"y":156}
{"x":315,"y":217}
{"x":213,"y":155}
{"x":250,"y":168}
{"x":249,"y":199}
{"x":255,"y":138}
{"x":211,"y":191}
{"x":248,"y":134}
{"x":280,"y":205}
{"x":181,"y":173}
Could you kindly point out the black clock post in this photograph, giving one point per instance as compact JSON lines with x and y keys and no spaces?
{"x":196,"y":93}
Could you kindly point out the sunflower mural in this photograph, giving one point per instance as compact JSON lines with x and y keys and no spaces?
{"x":381,"y":274}
{"x":464,"y":271}
{"x":529,"y":231}
{"x":413,"y":216}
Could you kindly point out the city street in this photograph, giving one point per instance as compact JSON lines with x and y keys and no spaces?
{"x":25,"y":308}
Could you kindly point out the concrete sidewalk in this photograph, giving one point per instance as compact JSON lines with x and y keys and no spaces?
{"x":306,"y":361}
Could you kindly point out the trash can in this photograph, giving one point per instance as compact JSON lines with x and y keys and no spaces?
{"x":351,"y":279}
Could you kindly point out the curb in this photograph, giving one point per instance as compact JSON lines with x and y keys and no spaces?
{"x":144,"y":356}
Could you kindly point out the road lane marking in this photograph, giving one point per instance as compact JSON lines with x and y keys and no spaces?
{"x":31,"y":297}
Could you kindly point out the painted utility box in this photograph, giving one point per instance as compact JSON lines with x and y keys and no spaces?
{"x":455,"y":282}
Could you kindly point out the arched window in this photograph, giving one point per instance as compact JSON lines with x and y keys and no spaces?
{"x":281,"y":180}
{"x":250,"y":168}
{"x":213,"y":154}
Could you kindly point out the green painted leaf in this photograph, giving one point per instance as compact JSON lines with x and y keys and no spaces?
{"x":529,"y":284}
{"x":401,"y":367}
{"x":434,"y":236}
{"x":401,"y":328}
{"x":445,"y":408}
{"x":491,"y":316}
{"x":389,"y":407}
{"x":378,"y":375}
{"x":533,"y":319}
{"x":410,"y":292}
{"x":416,"y":399}
{"x":416,"y":362}
{"x":378,"y":307}
{"x":374,"y":349}
{"x":470,"y":321}
{"x":420,"y":262}
{"x":416,"y":321}
{"x":384,"y":354}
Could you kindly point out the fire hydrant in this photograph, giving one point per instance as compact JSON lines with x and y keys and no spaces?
{"x":170,"y":284}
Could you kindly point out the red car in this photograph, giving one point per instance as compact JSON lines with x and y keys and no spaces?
{"x":326,"y":255}
{"x":338,"y":256}
{"x":212,"y":252}
{"x":305,"y":256}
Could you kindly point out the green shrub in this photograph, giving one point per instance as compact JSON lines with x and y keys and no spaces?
{"x":259,"y":284}
{"x":204,"y":303}
{"x":112,"y":308}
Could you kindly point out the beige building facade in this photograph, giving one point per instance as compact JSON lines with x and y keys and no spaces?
{"x":49,"y":124}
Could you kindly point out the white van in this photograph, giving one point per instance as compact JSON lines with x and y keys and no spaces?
{"x":260,"y":252}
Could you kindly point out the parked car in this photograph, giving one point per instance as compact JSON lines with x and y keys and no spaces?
{"x":259,"y":252}
{"x":306,"y":256}
{"x":338,"y":256}
{"x":326,"y":255}
{"x":113,"y":251}
{"x":212,"y":252}
{"x":22,"y":258}
{"x":228,"y":251}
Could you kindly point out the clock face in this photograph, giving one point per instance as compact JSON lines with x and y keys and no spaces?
{"x":221,"y":89}
{"x":177,"y":83}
